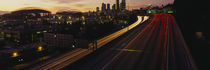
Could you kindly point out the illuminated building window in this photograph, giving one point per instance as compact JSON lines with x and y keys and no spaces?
{"x":2,"y":33}
{"x":44,"y":31}
{"x":170,"y":11}
{"x":38,"y":32}
{"x":59,"y":17}
{"x":69,"y":17}
{"x":8,"y":35}
{"x":41,"y":14}
{"x":70,"y":22}
{"x":77,"y":19}
{"x":83,"y":18}
{"x":83,"y":23}
{"x":81,"y":28}
{"x":55,"y":36}
{"x":39,"y":19}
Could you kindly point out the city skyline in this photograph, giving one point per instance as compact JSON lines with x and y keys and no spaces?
{"x":104,"y":35}
{"x":80,"y":5}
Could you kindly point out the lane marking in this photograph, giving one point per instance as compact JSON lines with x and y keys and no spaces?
{"x":127,"y":50}
{"x":128,"y":44}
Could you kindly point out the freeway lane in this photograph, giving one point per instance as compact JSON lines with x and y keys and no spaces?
{"x":72,"y":56}
{"x":156,"y":45}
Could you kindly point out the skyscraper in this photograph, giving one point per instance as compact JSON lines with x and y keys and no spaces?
{"x":113,"y":7}
{"x":103,"y":8}
{"x":97,"y":9}
{"x":108,"y":7}
{"x":117,"y":5}
{"x":123,"y":5}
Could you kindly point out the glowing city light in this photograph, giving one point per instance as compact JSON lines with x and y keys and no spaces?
{"x":40,"y":48}
{"x":15,"y":54}
{"x":59,"y":17}
{"x":69,"y":17}
{"x":45,"y":31}
{"x":55,"y":35}
{"x":83,"y":18}
{"x":73,"y":46}
{"x":83,"y":23}
{"x":38,"y":32}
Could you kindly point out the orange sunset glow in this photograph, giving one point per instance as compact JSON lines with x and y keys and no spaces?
{"x":79,"y":5}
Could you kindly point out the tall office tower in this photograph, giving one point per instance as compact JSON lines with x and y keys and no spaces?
{"x":113,"y":7}
{"x":108,"y":7}
{"x":103,"y":8}
{"x":97,"y":9}
{"x":117,"y":5}
{"x":123,"y":5}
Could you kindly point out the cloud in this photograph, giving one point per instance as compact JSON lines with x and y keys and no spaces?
{"x":79,"y":5}
{"x":66,"y":1}
{"x":61,"y":8}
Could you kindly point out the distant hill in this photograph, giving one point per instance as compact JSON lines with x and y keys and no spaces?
{"x":3,"y":12}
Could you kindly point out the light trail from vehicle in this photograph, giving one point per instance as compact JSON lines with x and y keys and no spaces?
{"x":161,"y":47}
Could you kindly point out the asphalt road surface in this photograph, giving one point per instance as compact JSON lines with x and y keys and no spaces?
{"x":157,"y":44}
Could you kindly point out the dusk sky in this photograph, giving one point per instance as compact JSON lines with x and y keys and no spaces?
{"x":82,"y":5}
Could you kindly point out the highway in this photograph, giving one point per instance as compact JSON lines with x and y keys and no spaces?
{"x":157,"y":44}
{"x":103,"y":41}
{"x":62,"y":60}
{"x":72,"y":56}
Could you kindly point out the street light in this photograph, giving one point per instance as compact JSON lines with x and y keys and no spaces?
{"x":73,"y":46}
{"x":15,"y":54}
{"x":40,"y":48}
